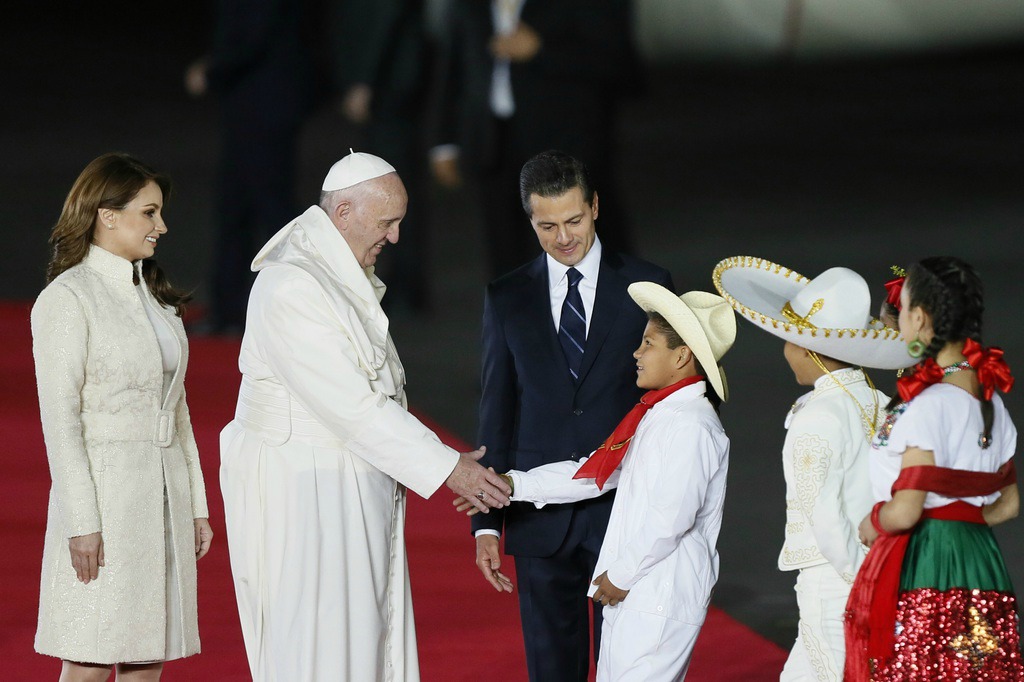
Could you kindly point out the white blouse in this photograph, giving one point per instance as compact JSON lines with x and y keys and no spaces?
{"x":164,"y":337}
{"x":946,"y":420}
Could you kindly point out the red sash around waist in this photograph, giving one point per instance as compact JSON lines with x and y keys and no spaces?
{"x":871,"y":608}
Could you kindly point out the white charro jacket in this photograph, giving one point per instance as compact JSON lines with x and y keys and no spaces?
{"x":825,"y":461}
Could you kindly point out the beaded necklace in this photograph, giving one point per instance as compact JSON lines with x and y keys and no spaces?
{"x":958,"y":367}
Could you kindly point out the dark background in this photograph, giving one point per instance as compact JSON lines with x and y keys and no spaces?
{"x":861,"y":162}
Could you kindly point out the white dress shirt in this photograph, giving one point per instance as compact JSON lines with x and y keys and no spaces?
{"x":505,"y":15}
{"x":558,"y":283}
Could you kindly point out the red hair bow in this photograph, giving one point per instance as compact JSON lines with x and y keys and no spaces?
{"x":993,"y":372}
{"x":894,"y":287}
{"x":925,"y":374}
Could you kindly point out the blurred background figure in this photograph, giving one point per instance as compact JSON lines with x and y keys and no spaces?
{"x":260,"y":67}
{"x":518,"y":77}
{"x":378,"y":53}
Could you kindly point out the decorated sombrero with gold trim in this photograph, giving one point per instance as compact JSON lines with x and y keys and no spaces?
{"x":830,"y":314}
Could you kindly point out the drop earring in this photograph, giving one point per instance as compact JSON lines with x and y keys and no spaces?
{"x":916,"y":348}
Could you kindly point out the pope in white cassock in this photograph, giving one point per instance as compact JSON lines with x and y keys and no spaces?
{"x":315,"y":464}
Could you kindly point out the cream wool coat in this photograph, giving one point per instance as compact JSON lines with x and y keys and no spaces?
{"x":315,"y":466}
{"x":116,"y":447}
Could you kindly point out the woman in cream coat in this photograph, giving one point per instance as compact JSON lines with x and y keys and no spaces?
{"x":127,"y":517}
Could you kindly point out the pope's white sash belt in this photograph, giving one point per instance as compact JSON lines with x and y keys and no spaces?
{"x":265,"y":407}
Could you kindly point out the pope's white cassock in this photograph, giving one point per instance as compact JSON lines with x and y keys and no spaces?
{"x":660,"y":543}
{"x":315,"y":466}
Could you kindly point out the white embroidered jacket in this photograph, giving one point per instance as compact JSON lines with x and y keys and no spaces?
{"x":825,"y":461}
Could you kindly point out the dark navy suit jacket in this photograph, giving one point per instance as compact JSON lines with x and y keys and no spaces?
{"x":531,"y":411}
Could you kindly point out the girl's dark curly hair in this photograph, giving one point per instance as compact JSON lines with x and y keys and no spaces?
{"x":950,"y":291}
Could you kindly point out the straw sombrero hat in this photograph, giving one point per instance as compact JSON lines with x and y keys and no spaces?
{"x":705,"y":322}
{"x":830,"y":314}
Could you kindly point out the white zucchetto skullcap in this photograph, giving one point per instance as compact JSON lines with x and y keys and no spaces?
{"x":355,"y":168}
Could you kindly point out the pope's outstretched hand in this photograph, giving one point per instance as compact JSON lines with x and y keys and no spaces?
{"x":482,"y":487}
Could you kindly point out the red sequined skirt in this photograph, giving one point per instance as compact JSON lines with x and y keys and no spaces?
{"x":956,"y":618}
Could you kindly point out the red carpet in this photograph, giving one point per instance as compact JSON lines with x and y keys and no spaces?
{"x":467,"y":631}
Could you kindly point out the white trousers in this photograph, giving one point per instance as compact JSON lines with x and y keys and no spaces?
{"x":820,"y":650}
{"x":642,"y":647}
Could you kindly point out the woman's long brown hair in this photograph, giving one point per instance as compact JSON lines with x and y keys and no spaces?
{"x":109,"y":181}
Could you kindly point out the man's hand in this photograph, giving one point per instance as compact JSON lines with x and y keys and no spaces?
{"x":446,"y":172}
{"x":355,"y":105}
{"x":87,"y":556}
{"x":482,"y":487}
{"x":196,"y":82}
{"x":488,"y":560}
{"x":607,"y":594}
{"x":521,"y":45}
{"x":462,"y":504}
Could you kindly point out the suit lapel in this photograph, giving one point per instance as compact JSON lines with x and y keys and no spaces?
{"x":611,"y":296}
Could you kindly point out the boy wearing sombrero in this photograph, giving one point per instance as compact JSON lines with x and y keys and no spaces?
{"x":668,"y":458}
{"x":829,"y":334}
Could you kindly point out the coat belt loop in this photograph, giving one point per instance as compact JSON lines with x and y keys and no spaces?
{"x":164,"y":428}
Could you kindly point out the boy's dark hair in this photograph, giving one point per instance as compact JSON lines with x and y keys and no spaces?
{"x":552,"y":174}
{"x":673,"y":340}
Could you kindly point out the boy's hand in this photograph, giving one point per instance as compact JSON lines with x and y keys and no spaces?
{"x":607,"y":594}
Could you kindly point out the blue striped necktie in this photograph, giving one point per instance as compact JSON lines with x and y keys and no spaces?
{"x":572,"y":327}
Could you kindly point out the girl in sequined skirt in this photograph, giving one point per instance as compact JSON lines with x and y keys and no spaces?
{"x":933,"y":599}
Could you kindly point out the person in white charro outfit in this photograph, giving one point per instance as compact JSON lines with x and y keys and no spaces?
{"x":315,"y":465}
{"x":128,"y":498}
{"x":668,"y":458}
{"x":829,"y":333}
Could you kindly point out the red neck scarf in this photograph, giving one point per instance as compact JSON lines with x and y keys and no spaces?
{"x":607,"y":458}
{"x":993,"y":372}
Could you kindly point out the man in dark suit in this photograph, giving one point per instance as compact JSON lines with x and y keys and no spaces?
{"x":260,"y":67}
{"x":558,"y":375}
{"x":522,"y":76}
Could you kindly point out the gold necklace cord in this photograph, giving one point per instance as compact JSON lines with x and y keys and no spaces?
{"x":863,"y":413}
